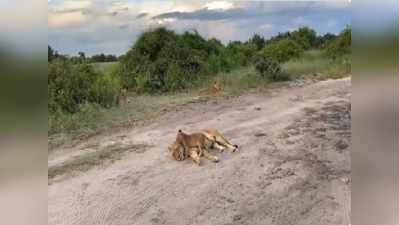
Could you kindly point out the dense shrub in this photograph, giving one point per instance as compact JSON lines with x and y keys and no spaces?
{"x":282,"y":51}
{"x":146,"y":65}
{"x":103,"y":58}
{"x":69,"y":86}
{"x":257,"y":41}
{"x":341,"y":45}
{"x":162,"y":60}
{"x":305,"y":37}
{"x":268,"y":68}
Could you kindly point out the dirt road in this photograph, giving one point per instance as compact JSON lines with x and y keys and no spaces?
{"x":292,"y":167}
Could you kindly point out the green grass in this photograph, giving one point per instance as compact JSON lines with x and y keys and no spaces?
{"x":90,"y":160}
{"x":105,"y":67}
{"x":238,"y":81}
{"x":92,"y":119}
{"x":313,"y":62}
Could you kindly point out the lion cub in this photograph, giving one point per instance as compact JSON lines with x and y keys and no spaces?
{"x":215,"y":89}
{"x":122,"y":96}
{"x":192,"y":145}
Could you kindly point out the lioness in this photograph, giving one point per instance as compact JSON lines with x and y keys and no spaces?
{"x":192,"y":145}
{"x":215,"y":89}
{"x":122,"y":96}
{"x":220,"y":141}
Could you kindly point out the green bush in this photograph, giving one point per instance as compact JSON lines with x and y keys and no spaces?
{"x":69,"y":86}
{"x":341,"y":45}
{"x":282,"y":51}
{"x":146,"y":66}
{"x":269,"y":69}
{"x":305,"y":37}
{"x":162,"y":61}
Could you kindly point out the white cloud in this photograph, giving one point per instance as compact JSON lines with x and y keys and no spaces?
{"x":266,"y":27}
{"x":66,"y":19}
{"x":165,"y":21}
{"x":301,"y":21}
{"x":75,"y":4}
{"x":219,"y":5}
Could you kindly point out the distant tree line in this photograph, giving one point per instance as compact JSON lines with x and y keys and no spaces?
{"x":81,"y":57}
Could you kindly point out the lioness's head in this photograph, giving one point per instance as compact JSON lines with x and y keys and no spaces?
{"x":176,"y":151}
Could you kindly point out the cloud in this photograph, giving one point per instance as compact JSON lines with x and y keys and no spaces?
{"x":219,"y":5}
{"x":204,"y":14}
{"x":64,"y":19}
{"x":141,"y":15}
{"x":301,"y":21}
{"x":165,"y":21}
{"x":69,"y":4}
{"x":96,"y":26}
{"x":266,"y":27}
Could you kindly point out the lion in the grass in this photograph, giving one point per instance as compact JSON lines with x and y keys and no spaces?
{"x":198,"y":144}
{"x":122,"y":96}
{"x":215,"y":89}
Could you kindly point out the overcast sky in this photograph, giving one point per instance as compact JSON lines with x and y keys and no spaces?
{"x":112,"y":26}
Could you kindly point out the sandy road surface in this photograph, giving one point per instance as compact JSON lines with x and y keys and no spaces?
{"x":292,"y":167}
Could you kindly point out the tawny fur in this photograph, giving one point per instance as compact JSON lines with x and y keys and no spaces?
{"x":220,"y":140}
{"x":191,"y":146}
{"x":215,"y":89}
{"x":122,"y":96}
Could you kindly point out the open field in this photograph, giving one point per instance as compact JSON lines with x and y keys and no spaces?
{"x":292,"y":167}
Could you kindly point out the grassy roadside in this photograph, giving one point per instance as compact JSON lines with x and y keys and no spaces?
{"x":87,"y":161}
{"x":94,"y":119}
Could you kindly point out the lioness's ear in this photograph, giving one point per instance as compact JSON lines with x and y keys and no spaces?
{"x":180,"y":131}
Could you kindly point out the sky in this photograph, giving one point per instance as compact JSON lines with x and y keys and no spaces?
{"x":112,"y":26}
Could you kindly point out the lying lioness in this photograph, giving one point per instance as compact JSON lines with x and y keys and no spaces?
{"x":191,"y":145}
{"x":197,"y":144}
{"x":215,"y":89}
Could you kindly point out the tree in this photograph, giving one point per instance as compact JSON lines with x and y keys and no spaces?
{"x":258,"y":41}
{"x":282,"y":51}
{"x":82,"y":57}
{"x":305,"y":36}
{"x":341,"y":45}
{"x":53,"y":54}
{"x":50,"y":54}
